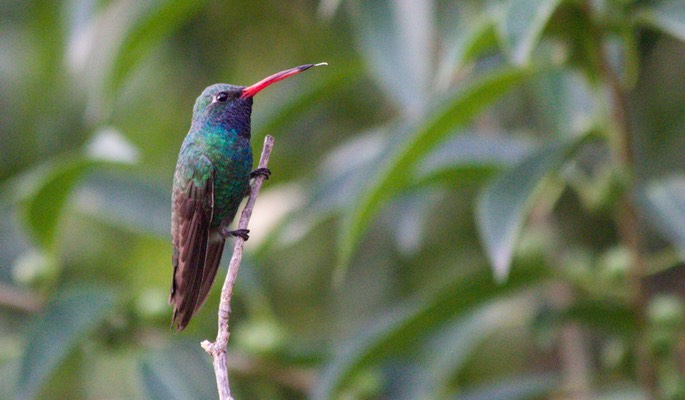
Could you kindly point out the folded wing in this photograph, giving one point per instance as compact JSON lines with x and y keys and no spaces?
{"x":192,"y":216}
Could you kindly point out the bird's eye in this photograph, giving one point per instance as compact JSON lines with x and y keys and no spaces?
{"x":222,"y":97}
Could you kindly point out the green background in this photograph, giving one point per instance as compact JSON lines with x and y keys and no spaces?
{"x":474,"y":200}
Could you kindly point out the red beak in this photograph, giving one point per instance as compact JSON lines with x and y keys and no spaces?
{"x":250,"y":91}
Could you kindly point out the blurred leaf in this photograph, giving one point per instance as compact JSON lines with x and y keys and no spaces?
{"x":623,"y":56}
{"x":66,"y":319}
{"x":158,"y":20}
{"x":515,"y":388}
{"x":48,"y":187}
{"x":564,"y":102}
{"x":397,"y":38}
{"x":14,"y":242}
{"x":111,"y":373}
{"x":178,"y":372}
{"x":521,"y":25}
{"x":504,"y":204}
{"x":109,"y":144}
{"x":394,"y":172}
{"x":608,"y":316}
{"x":399,"y":330}
{"x":103,"y":51}
{"x":43,"y":210}
{"x":466,"y":47}
{"x":338,"y":183}
{"x":9,"y":375}
{"x":453,"y":346}
{"x":345,"y":168}
{"x":327,"y":8}
{"x":46,"y":200}
{"x":667,"y":16}
{"x":411,"y":210}
{"x":458,"y":157}
{"x":125,"y":202}
{"x":663,"y":203}
{"x":605,"y":316}
{"x":50,"y":41}
{"x":95,"y":37}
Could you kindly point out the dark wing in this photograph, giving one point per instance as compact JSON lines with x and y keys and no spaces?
{"x":214,"y":250}
{"x":191,"y":218}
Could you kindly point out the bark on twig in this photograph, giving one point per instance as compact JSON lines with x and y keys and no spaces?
{"x":217,"y":349}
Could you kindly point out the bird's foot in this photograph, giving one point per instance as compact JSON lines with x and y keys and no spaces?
{"x":242,"y":233}
{"x":265,"y":172}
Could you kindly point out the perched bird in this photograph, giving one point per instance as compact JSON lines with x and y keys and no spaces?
{"x":212,"y":177}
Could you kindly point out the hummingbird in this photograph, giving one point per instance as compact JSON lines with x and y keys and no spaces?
{"x":212,"y":177}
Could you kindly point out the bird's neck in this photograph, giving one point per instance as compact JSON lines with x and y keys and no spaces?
{"x":222,"y":127}
{"x":235,"y":120}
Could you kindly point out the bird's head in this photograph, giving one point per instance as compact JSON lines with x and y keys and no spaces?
{"x":222,"y":106}
{"x":230,"y":106}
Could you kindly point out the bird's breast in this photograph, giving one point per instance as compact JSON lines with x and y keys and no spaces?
{"x":232,"y":161}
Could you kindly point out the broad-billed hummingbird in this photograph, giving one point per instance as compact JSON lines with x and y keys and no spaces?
{"x":212,"y":177}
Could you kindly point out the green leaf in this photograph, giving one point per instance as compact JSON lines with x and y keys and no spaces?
{"x":153,"y":25}
{"x":110,"y":374}
{"x":605,"y":315}
{"x":396,"y":38}
{"x":44,"y":208}
{"x":411,"y":209}
{"x":328,"y":8}
{"x":465,"y":155}
{"x":340,"y":176}
{"x":521,"y":25}
{"x":398,"y":331}
{"x":412,"y":144}
{"x":468,"y":44}
{"x":46,"y":189}
{"x":663,"y":203}
{"x":564,"y":102}
{"x":178,"y":372}
{"x":9,"y":375}
{"x":665,"y":16}
{"x":339,"y":180}
{"x":454,"y":346}
{"x":124,"y":202}
{"x":14,"y":242}
{"x":57,"y":330}
{"x":504,"y":204}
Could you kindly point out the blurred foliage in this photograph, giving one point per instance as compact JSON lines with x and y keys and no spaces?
{"x":472,"y":193}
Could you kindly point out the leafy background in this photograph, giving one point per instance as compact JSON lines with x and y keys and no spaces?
{"x":475,"y":200}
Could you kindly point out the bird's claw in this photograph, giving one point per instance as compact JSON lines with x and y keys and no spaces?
{"x":241,"y":233}
{"x":265,"y":172}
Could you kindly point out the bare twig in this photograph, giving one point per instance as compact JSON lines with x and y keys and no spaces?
{"x":218,"y":349}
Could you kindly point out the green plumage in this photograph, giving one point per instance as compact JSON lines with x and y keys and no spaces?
{"x":220,"y":152}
